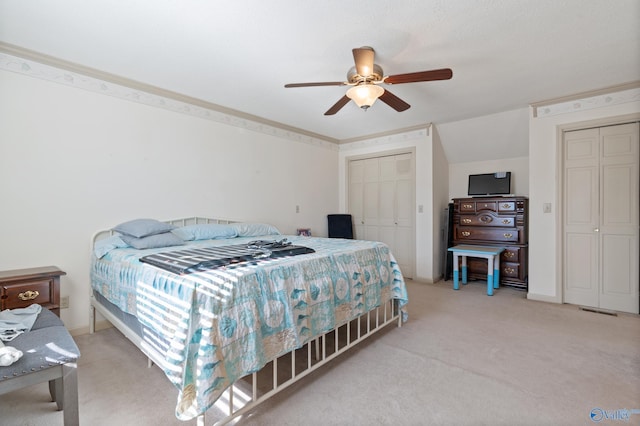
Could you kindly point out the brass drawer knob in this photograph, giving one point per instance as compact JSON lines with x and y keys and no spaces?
{"x":506,"y":221}
{"x":509,"y":255}
{"x":506,"y":206}
{"x":508,"y":235}
{"x":467,"y":206}
{"x":466,"y":220}
{"x":508,"y":270}
{"x":465,"y":233}
{"x":28,"y":295}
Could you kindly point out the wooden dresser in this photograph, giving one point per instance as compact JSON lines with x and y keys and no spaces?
{"x":495,"y":221}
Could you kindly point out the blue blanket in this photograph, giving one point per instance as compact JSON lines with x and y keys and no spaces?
{"x":222,"y":324}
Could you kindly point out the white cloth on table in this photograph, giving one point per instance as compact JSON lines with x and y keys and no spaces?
{"x":8,"y":355}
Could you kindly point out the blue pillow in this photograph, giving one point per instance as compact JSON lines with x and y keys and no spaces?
{"x":105,"y":245}
{"x":248,"y":229}
{"x":166,"y":239}
{"x":205,"y":231}
{"x":143,"y":227}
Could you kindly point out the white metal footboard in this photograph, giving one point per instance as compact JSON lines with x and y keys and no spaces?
{"x":252,"y":390}
{"x":236,"y":400}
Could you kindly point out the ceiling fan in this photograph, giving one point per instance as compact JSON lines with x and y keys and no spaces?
{"x":365,"y":78}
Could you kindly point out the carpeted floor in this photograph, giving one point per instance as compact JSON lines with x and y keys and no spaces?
{"x":463,"y":358}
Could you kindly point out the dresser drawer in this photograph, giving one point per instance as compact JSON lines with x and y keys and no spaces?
{"x":510,"y":270}
{"x":486,"y":234}
{"x":511,"y":254}
{"x":506,"y":206}
{"x":484,"y":219}
{"x":468,"y":206}
{"x":486,"y":205}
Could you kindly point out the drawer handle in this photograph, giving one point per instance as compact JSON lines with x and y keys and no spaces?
{"x":507,"y":235}
{"x":508,"y":270}
{"x":506,"y":206}
{"x":28,"y":295}
{"x":465,"y":233}
{"x":509,"y":255}
{"x":466,"y":220}
{"x":486,"y":219}
{"x":506,"y":221}
{"x":467,"y":206}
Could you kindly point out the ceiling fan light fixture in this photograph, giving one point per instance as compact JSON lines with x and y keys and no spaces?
{"x":364,"y":95}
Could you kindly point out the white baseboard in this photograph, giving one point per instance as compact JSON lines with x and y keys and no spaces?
{"x":544,"y":298}
{"x":100,"y":325}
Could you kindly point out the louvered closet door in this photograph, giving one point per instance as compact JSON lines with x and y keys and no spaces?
{"x":600,"y":256}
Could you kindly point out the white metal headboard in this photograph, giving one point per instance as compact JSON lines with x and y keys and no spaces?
{"x":195,"y":220}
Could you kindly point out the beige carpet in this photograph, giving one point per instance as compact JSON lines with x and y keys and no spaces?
{"x":462,"y":359}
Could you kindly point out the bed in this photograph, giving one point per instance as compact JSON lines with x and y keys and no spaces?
{"x":230,"y":334}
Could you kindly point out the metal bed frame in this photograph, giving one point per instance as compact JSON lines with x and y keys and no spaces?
{"x":241,"y":397}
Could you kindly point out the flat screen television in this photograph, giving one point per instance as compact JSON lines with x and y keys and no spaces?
{"x":487,"y":184}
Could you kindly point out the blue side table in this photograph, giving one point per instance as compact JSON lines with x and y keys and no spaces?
{"x":492,"y":254}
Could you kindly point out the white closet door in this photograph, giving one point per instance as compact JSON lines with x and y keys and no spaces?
{"x":581,"y":217}
{"x":601,"y":217}
{"x":619,"y":217}
{"x":381,"y":200}
{"x":356,"y":197}
{"x":371,"y":202}
{"x":404,"y":247}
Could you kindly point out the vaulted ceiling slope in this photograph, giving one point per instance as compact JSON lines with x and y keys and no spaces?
{"x":505,"y":54}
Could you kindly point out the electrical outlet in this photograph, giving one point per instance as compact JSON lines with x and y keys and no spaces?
{"x":546,"y":208}
{"x":64,"y":302}
{"x":297,"y":209}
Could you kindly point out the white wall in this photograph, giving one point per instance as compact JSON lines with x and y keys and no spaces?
{"x":73,"y":162}
{"x":544,"y":187}
{"x":489,"y":137}
{"x":440,"y":195}
{"x":519,"y":168}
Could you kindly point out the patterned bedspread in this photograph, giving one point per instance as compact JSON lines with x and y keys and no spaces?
{"x":222,"y":324}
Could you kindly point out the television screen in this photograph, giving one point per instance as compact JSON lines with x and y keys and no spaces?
{"x":498,"y":183}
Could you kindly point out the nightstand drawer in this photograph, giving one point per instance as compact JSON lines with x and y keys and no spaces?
{"x":23,"y":287}
{"x":21,"y":295}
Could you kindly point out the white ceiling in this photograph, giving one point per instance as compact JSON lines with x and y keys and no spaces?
{"x":505,"y":54}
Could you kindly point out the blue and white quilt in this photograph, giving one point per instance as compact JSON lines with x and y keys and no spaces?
{"x":222,"y":324}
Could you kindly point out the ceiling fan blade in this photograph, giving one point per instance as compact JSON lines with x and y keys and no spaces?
{"x":393,"y":101}
{"x":414,"y":77}
{"x":338,"y":105}
{"x":325,"y":83}
{"x":363,"y":57}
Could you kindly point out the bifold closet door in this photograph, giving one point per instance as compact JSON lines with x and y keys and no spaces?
{"x":381,"y":201}
{"x":600,"y":217}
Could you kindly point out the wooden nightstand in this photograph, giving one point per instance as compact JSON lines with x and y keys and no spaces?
{"x":20,"y":288}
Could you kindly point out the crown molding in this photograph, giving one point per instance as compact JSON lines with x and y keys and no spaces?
{"x":408,"y":134}
{"x":34,"y":64}
{"x":614,"y":95}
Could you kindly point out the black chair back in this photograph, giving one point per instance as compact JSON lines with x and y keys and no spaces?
{"x":340,"y":226}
